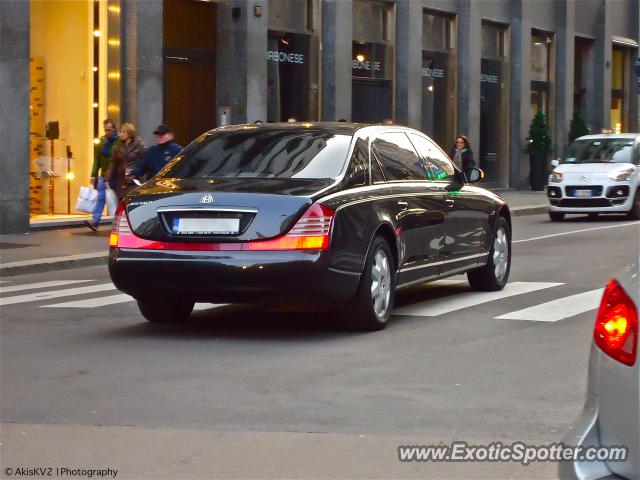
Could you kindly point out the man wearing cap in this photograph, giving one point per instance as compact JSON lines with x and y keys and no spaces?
{"x":156,"y":157}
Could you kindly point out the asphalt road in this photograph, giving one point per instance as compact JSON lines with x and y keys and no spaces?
{"x":238,"y":392}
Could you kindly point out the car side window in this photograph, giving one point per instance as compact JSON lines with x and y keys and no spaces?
{"x":398,"y":158}
{"x":358,"y":172}
{"x":440,"y":167}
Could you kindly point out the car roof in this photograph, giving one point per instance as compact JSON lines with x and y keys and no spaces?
{"x":609,"y":135}
{"x":337,"y":128}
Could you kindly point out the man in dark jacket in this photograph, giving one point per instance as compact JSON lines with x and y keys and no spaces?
{"x":156,"y":157}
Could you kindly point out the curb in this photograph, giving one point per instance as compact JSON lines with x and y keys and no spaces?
{"x":53,"y":264}
{"x":100,"y":258}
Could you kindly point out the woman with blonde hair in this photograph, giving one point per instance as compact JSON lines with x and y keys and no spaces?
{"x":125,"y":156}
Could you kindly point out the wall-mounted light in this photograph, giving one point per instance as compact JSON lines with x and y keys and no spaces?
{"x":95,"y":69}
{"x":360,"y":57}
{"x":70,"y":176}
{"x":430,"y":88}
{"x":113,"y":75}
{"x":95,"y":104}
{"x":257,"y":10}
{"x":96,"y":33}
{"x":96,"y":141}
{"x":113,"y":8}
{"x":113,"y":42}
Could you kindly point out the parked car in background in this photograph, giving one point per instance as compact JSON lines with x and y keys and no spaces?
{"x":611,"y":414}
{"x":320,"y":214}
{"x":600,"y":174}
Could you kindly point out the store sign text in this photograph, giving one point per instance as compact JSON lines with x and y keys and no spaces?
{"x":433,"y":72}
{"x":367,"y":65}
{"x":285,"y":57}
{"x":487,"y":78}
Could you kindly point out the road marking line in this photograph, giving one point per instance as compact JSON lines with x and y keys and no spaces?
{"x":574,"y":231}
{"x":38,"y":297}
{"x":558,"y":309}
{"x":33,"y":286}
{"x":440,"y":306}
{"x":93,"y":302}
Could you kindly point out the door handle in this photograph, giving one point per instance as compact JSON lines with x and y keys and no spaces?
{"x":403,"y":205}
{"x":450,"y":203}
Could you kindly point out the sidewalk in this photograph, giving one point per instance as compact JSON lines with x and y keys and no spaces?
{"x":63,"y":248}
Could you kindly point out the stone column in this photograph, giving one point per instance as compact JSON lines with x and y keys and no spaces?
{"x":142,"y":65}
{"x":337,"y":38}
{"x":602,"y":71}
{"x":14,"y":121}
{"x":409,"y":63}
{"x":565,"y":50}
{"x":469,"y":63}
{"x":241,"y":78}
{"x":519,"y":102}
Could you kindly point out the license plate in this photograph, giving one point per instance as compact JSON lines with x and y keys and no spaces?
{"x":583,"y":193}
{"x":206,"y":226}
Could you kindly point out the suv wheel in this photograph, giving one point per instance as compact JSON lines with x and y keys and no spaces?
{"x":556,"y":216}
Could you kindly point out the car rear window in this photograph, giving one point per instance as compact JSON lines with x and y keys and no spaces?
{"x":601,"y":150}
{"x":263,"y":153}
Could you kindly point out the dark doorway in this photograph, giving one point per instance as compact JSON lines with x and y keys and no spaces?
{"x":371,"y":100}
{"x":189,"y":41}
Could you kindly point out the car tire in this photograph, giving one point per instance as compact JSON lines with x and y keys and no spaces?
{"x":556,"y":216}
{"x":160,"y":311}
{"x":495,"y":274}
{"x":634,"y":213}
{"x":371,"y":308}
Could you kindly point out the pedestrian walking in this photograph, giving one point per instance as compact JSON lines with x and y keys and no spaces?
{"x":126,"y":155}
{"x":157,"y":156}
{"x":461,"y":153}
{"x":103,"y":153}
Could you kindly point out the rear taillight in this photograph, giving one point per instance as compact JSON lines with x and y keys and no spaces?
{"x":616,"y":329}
{"x":120,"y":226}
{"x":311,"y":232}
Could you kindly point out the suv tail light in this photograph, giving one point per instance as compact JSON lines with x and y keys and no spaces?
{"x":616,"y":329}
{"x":311,"y":232}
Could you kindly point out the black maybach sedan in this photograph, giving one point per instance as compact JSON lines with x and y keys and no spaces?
{"x":323,"y":215}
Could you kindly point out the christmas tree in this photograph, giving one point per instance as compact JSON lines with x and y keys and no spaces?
{"x":539,"y":139}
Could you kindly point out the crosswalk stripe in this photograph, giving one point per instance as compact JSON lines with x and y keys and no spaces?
{"x":440,"y":306}
{"x":37,"y":297}
{"x":34,"y":286}
{"x":558,"y":309}
{"x":93,"y":302}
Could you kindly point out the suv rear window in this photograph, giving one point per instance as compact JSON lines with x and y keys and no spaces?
{"x":601,"y":150}
{"x":263,"y":153}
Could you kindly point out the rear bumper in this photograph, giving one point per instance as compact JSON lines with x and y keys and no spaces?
{"x":296,"y":277}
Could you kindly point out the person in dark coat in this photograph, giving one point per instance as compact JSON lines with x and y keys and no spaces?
{"x":157,"y":157}
{"x":461,"y":153}
{"x":126,"y":155}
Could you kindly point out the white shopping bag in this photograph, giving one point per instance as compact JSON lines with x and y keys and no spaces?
{"x":87,"y":199}
{"x":112,"y":201}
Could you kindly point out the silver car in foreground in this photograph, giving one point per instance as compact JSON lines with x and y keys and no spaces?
{"x":611,"y":414}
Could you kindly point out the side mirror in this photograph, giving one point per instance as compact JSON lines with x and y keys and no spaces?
{"x":474,"y":175}
{"x":555,"y":163}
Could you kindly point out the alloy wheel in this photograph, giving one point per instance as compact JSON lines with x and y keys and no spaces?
{"x":500,"y":253}
{"x":380,"y":283}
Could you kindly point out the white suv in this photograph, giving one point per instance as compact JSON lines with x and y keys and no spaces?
{"x":600,"y":174}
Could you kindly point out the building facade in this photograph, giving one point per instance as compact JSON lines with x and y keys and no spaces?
{"x":481,"y":68}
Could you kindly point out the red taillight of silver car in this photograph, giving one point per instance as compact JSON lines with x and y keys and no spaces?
{"x":616,"y":328}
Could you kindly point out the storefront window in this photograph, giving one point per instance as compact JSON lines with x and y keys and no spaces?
{"x":617,"y":90}
{"x":541,"y":77}
{"x":494,"y":109}
{"x":439,"y":78}
{"x":293,"y":61}
{"x":75,"y":83}
{"x":372,"y":67}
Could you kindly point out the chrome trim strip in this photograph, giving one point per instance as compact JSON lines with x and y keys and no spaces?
{"x":344,"y":272}
{"x":384,"y":197}
{"x":468,"y":257}
{"x":420,"y":280}
{"x":207,"y":209}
